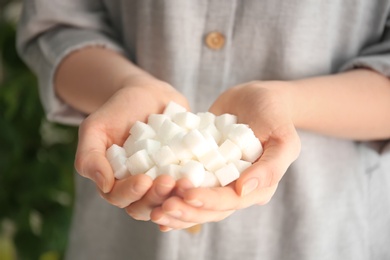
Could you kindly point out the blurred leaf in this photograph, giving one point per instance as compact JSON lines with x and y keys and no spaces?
{"x":7,"y":249}
{"x":36,"y":174}
{"x":50,"y":255}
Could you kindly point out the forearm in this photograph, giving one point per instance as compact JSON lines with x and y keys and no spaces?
{"x":88,"y":77}
{"x":353,"y":105}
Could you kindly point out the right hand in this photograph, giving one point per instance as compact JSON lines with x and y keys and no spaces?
{"x":109,"y":125}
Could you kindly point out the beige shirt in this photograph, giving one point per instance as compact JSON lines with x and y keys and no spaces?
{"x":334,"y":201}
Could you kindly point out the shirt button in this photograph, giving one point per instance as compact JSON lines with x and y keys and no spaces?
{"x":194,"y":229}
{"x":215,"y":40}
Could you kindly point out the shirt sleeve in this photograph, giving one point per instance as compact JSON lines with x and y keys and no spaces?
{"x":50,"y":30}
{"x":375,"y":56}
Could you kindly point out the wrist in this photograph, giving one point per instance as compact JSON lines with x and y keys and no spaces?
{"x":284,"y":93}
{"x":147,"y":85}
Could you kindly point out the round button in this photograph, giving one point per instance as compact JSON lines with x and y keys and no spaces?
{"x":215,"y":40}
{"x":194,"y":229}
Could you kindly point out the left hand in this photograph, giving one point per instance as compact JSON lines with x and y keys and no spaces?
{"x":266,"y":109}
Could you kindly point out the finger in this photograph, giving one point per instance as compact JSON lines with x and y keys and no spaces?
{"x":218,"y":198}
{"x":128,"y":190}
{"x":161,"y":189}
{"x":167,"y":223}
{"x":175,"y":210}
{"x":270,"y":168}
{"x":91,"y":161}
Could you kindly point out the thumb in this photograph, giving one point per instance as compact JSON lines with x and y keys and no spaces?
{"x":270,"y":168}
{"x":91,"y":161}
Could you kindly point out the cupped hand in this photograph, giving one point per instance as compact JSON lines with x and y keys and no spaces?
{"x":109,"y":125}
{"x":265,"y":107}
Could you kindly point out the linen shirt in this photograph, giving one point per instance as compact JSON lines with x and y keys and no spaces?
{"x":333,"y":202}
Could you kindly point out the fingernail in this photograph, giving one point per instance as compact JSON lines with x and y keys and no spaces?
{"x":249,"y":186}
{"x":163,"y":221}
{"x":175,"y":213}
{"x":100,"y":181}
{"x":195,"y":203}
{"x":165,"y":229}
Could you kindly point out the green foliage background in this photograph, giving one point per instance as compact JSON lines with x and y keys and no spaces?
{"x":36,"y":163}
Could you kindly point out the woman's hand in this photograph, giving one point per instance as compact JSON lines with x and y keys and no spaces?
{"x":267,"y":110}
{"x":109,"y":125}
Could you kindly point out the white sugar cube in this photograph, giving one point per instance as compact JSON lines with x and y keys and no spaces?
{"x":206,"y":119}
{"x":172,"y":170}
{"x":194,"y":171}
{"x":156,"y":120}
{"x":121,"y":173}
{"x":241,"y":135}
{"x":168,"y":130}
{"x":209,"y":139}
{"x":230,"y":151}
{"x":140,"y":131}
{"x":164,"y":156}
{"x":152,"y":172}
{"x":118,"y":165}
{"x":227,"y":174}
{"x":179,"y":148}
{"x":213,"y":131}
{"x":150,"y":145}
{"x":210,"y":180}
{"x":173,"y":108}
{"x":139,"y":162}
{"x":212,"y":160}
{"x":186,"y":120}
{"x":117,"y":162}
{"x":196,"y":142}
{"x":113,"y":151}
{"x":226,"y":131}
{"x":241,"y":165}
{"x":129,"y":145}
{"x":224,"y":120}
{"x":252,"y":151}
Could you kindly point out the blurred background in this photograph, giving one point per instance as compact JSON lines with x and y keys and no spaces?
{"x":36,"y":159}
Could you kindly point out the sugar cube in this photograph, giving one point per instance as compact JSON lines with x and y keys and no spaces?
{"x":241,"y":135}
{"x":152,"y":172}
{"x":140,"y":131}
{"x":129,"y":145}
{"x":113,"y":151}
{"x":213,"y":131}
{"x":227,"y":174}
{"x":156,"y":120}
{"x":194,"y":171}
{"x":150,"y":145}
{"x":206,"y":119}
{"x":224,"y":120}
{"x":252,"y":151}
{"x":186,"y":120}
{"x":163,"y":156}
{"x":230,"y":151}
{"x":172,"y":170}
{"x":179,"y":148}
{"x":212,"y":160}
{"x":173,"y":108}
{"x":210,"y":180}
{"x":167,"y":131}
{"x":241,"y":165}
{"x":139,"y":162}
{"x":118,"y":165}
{"x":196,"y":142}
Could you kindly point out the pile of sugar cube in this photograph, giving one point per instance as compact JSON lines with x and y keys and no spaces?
{"x":209,"y":150}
